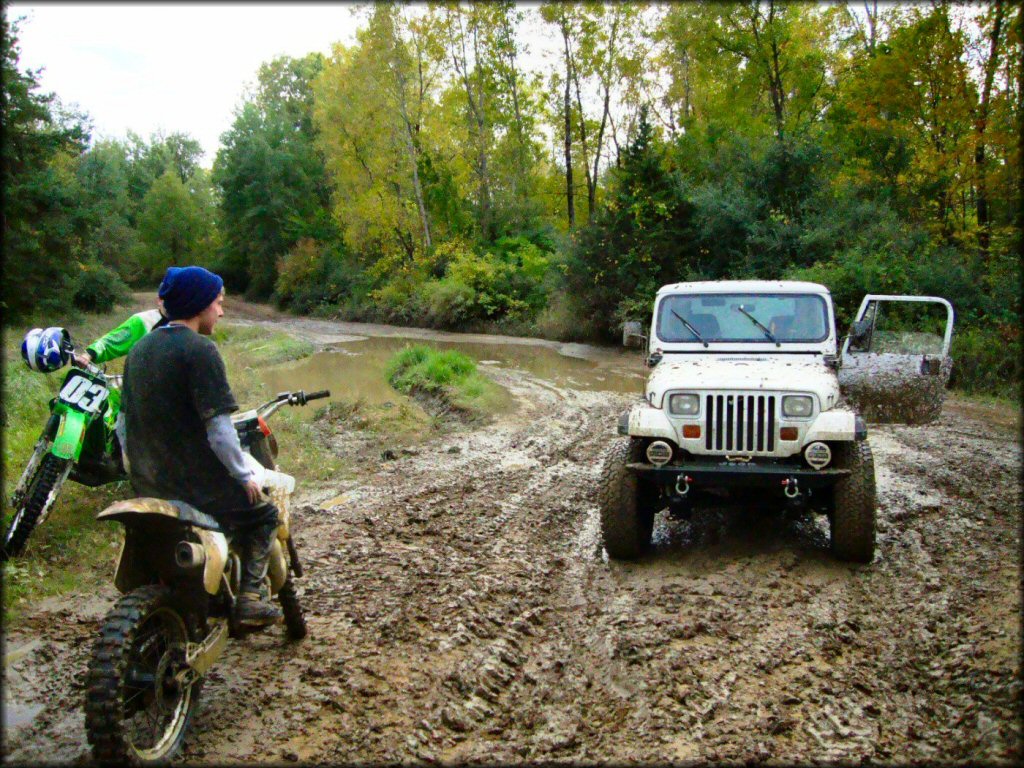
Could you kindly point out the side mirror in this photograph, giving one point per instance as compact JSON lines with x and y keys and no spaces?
{"x":633,"y":335}
{"x":654,"y":359}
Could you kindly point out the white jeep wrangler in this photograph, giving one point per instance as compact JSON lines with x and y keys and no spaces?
{"x":749,"y":393}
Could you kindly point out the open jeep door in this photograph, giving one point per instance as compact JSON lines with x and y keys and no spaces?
{"x":895,"y":360}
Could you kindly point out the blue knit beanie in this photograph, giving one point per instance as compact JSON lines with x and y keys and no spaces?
{"x":187,"y":291}
{"x":165,"y":283}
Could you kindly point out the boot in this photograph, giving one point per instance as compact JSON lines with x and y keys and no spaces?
{"x":254,"y":611}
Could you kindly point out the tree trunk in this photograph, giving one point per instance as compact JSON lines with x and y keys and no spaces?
{"x":413,"y":154}
{"x":476,"y":109}
{"x":568,"y":133}
{"x":981,"y":125}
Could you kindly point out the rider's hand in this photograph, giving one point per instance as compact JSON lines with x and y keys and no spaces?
{"x":82,"y":359}
{"x":252,"y":491}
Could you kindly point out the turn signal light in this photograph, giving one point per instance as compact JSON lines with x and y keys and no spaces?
{"x":691,"y":430}
{"x":788,"y":433}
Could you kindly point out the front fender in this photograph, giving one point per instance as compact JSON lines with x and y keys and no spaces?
{"x":645,"y":421}
{"x":67,"y":443}
{"x":836,"y":425}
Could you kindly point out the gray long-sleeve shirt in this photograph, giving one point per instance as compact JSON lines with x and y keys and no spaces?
{"x":223,"y":439}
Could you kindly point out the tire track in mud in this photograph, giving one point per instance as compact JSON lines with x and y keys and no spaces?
{"x":461,"y":610}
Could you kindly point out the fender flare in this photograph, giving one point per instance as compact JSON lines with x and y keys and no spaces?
{"x":70,"y":437}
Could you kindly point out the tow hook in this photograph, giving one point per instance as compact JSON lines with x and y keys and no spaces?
{"x":790,"y":488}
{"x":685,"y":480}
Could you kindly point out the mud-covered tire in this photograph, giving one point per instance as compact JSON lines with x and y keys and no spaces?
{"x":108,"y":684}
{"x":49,"y":474}
{"x":627,"y":511}
{"x":853,"y":507}
{"x":294,"y":619}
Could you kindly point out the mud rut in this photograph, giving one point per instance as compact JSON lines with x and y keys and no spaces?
{"x":461,"y":609}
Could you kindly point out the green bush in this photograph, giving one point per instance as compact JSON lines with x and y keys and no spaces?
{"x":987,"y":360}
{"x":97,"y":288}
{"x":445,"y":303}
{"x":313,"y":276}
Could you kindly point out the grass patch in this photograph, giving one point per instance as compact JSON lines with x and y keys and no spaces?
{"x":71,"y":551}
{"x":445,"y":379}
{"x":401,"y":423}
{"x":258,"y":346}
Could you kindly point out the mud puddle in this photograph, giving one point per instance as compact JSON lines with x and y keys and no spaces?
{"x":356,"y":369}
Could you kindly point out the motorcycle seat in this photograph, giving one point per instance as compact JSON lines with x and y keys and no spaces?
{"x":173,"y":508}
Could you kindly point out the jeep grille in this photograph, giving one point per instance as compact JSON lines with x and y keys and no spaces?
{"x":740,"y":423}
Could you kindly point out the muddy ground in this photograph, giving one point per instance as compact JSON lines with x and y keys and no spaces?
{"x":461,"y":610}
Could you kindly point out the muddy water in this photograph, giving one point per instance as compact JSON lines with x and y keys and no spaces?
{"x":356,"y":369}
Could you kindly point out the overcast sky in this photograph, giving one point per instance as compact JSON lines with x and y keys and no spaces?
{"x":166,"y":66}
{"x":184,"y":67}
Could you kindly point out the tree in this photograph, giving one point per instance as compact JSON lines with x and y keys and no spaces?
{"x":148,"y":161}
{"x":173,"y":228}
{"x":638,"y":240}
{"x":565,"y":18}
{"x":40,"y":141}
{"x":272,"y":178}
{"x":107,"y":209}
{"x":371,"y":103}
{"x":753,"y":65}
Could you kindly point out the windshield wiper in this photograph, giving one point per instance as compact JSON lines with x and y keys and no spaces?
{"x":758,"y":323}
{"x":692,"y":330}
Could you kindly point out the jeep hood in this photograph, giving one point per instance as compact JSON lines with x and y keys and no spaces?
{"x":782,"y":373}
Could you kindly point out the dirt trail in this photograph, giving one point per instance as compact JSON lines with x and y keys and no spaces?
{"x":461,"y":609}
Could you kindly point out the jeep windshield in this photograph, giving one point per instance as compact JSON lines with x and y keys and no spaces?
{"x":788,"y":317}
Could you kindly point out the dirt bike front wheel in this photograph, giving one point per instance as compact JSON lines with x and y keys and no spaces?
{"x":137,"y":709}
{"x":43,"y":489}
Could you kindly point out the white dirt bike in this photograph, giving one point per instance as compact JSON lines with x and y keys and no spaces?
{"x":179,"y":576}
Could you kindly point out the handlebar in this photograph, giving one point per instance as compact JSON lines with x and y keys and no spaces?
{"x":290,"y":398}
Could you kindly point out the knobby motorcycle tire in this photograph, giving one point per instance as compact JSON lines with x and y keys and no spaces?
{"x":294,"y":620}
{"x":49,"y":473}
{"x":107,"y":673}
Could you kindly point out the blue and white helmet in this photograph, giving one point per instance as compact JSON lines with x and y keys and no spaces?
{"x":46,"y":350}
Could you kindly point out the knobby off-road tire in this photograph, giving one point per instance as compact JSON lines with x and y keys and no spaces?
{"x":47,"y":480}
{"x":853,"y":509}
{"x":627,"y":509}
{"x":116,"y":682}
{"x":294,"y":620}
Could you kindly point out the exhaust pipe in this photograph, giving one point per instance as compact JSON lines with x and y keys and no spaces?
{"x":189,"y":555}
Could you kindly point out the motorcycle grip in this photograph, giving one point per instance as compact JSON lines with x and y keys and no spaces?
{"x":318,"y":395}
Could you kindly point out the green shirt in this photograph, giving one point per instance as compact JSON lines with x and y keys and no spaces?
{"x":119,"y":341}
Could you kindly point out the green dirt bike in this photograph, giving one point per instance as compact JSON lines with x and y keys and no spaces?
{"x":78,"y":441}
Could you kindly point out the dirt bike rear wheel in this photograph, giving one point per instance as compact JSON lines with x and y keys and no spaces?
{"x":46,"y":482}
{"x":294,"y":620}
{"x":136,"y":712}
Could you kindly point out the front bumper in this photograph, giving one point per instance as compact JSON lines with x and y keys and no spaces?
{"x":734,"y":474}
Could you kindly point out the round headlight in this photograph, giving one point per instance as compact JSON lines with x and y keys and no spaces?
{"x":659,"y":452}
{"x":818,"y":455}
{"x":684,"y":405}
{"x":797,"y":406}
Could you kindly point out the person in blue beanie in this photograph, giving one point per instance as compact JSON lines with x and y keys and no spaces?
{"x":180,"y":441}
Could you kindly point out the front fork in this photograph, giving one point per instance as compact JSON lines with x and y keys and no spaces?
{"x":41,"y":449}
